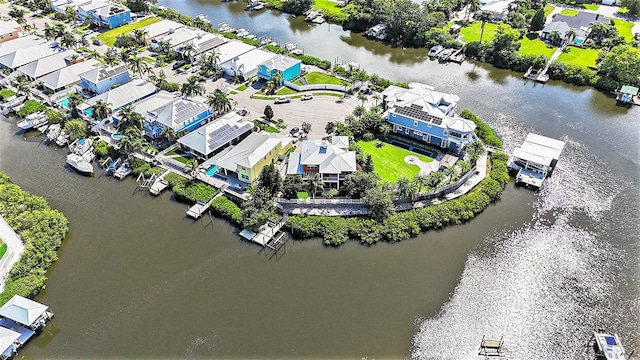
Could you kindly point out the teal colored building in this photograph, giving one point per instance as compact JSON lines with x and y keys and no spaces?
{"x":290,"y":68}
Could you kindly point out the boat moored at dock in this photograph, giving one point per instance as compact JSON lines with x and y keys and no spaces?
{"x":79,"y":164}
{"x":33,"y":121}
{"x":607,"y":346}
{"x":123,"y":171}
{"x":20,"y":320}
{"x":535,"y":159}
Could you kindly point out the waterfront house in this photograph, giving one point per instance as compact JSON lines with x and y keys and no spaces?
{"x":178,"y":113}
{"x":23,"y":56}
{"x":122,"y":96}
{"x":160,"y":29}
{"x":100,"y":80}
{"x":112,"y":16}
{"x":246,"y":64}
{"x":558,"y":27}
{"x":287,"y":66}
{"x":332,"y":160}
{"x":498,"y":8}
{"x":217,"y":135}
{"x":25,"y":312}
{"x":45,"y":66}
{"x":427,"y":116}
{"x":178,"y":38}
{"x":205,"y":42}
{"x":67,"y":77}
{"x":23,"y":42}
{"x":535,"y":159}
{"x":9,"y":30}
{"x":232,"y":49}
{"x":579,"y":24}
{"x":246,"y":159}
{"x":62,"y":5}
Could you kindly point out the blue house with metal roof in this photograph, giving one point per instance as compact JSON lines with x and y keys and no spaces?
{"x":289,"y":68}
{"x":424,"y":115}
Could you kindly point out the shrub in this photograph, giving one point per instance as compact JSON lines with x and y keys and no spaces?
{"x":30,"y":107}
{"x":312,"y":60}
{"x":227,"y":209}
{"x":194,"y":191}
{"x":175,"y":179}
{"x":484,"y":131}
{"x":6,"y":93}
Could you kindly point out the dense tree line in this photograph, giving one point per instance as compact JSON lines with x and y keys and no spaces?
{"x":42,"y":230}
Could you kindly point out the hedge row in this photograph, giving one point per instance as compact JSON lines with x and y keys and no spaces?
{"x":404,"y":225}
{"x":484,"y":131}
{"x":227,"y":209}
{"x":42,"y":230}
{"x":189,"y":190}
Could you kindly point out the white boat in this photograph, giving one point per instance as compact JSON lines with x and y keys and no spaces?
{"x":243,"y":32}
{"x":251,"y":37}
{"x":33,"y":120}
{"x":259,"y":7}
{"x":311,"y":14}
{"x":204,"y":18}
{"x":123,"y":171}
{"x":607,"y":346}
{"x":62,"y":139}
{"x":224,"y":27}
{"x":444,"y":55}
{"x":79,"y":164}
{"x":13,"y":101}
{"x":80,"y":146}
{"x":54,"y":132}
{"x":434,"y":51}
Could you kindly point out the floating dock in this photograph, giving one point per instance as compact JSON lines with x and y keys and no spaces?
{"x":491,"y":348}
{"x":537,"y":75}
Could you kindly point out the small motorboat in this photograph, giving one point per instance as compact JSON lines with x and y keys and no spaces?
{"x":123,"y":171}
{"x":607,"y":346}
{"x":62,"y":139}
{"x":79,"y":164}
{"x":81,"y":146}
{"x":434,"y":51}
{"x":33,"y":121}
{"x":54,"y":132}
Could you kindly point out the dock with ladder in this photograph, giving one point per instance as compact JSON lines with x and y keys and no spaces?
{"x":200,"y":207}
{"x":159,"y":184}
{"x":268,"y":236}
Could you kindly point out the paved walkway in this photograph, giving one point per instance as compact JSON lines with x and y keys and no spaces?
{"x":14,"y":250}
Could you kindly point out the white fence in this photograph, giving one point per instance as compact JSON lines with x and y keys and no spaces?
{"x":334,"y":87}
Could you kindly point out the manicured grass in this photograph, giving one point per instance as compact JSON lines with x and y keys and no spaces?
{"x":579,"y":56}
{"x":388,"y":160}
{"x":472,"y":32}
{"x":286,"y":91}
{"x":327,"y":94}
{"x":535,"y":47}
{"x":321,"y":78}
{"x":242,"y":87}
{"x":547,"y":10}
{"x":6,"y":93}
{"x":303,"y":195}
{"x":330,"y":9}
{"x":177,"y":158}
{"x":624,"y":29}
{"x":3,"y":249}
{"x":109,"y":37}
{"x":569,"y":12}
{"x":593,"y":7}
{"x":260,"y":97}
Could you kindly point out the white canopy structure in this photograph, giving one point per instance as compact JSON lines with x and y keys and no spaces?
{"x":24,"y":311}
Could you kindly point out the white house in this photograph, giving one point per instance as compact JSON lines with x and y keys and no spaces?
{"x":332,"y":160}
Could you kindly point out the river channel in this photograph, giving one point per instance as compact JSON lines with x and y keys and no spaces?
{"x":136,"y":279}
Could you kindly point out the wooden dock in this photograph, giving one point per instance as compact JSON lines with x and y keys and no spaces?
{"x":269,"y":235}
{"x":491,"y":348}
{"x":200,"y":207}
{"x":537,"y":75}
{"x":159,"y":184}
{"x":458,"y":56}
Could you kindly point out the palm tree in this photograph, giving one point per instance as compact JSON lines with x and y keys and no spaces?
{"x":555,"y":36}
{"x":130,"y":144}
{"x":349,"y":119}
{"x":271,"y":87}
{"x":75,"y":100}
{"x":110,"y":58}
{"x":344,"y":83}
{"x":599,"y":31}
{"x":164,"y":47}
{"x":160,"y":81}
{"x":68,"y":40}
{"x":22,"y":84}
{"x":192,"y":168}
{"x":101,"y":110}
{"x":406,"y":189}
{"x":314,"y":184}
{"x":472,"y":7}
{"x":385,"y":129}
{"x":569,"y":35}
{"x":475,"y":149}
{"x":169,"y":134}
{"x":72,"y":14}
{"x":192,"y":87}
{"x":188,"y":51}
{"x":359,"y":111}
{"x":363,"y":98}
{"x":277,"y":78}
{"x":140,"y":36}
{"x":421,"y":181}
{"x":484,"y":17}
{"x":218,"y":102}
{"x":49,"y":32}
{"x":130,"y":119}
{"x":435,"y":179}
{"x":136,"y":64}
{"x":376,"y":97}
{"x":451,"y":172}
{"x":58,"y":30}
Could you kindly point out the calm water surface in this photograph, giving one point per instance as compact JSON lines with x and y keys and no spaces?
{"x":136,"y":279}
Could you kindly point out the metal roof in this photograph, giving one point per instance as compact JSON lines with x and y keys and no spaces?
{"x":104,"y":72}
{"x":24,"y":56}
{"x":217,"y":133}
{"x":9,"y":26}
{"x":539,"y":149}
{"x":125,"y":94}
{"x":23,"y":42}
{"x":22,"y":310}
{"x":68,"y":75}
{"x":161,"y":28}
{"x":40,"y":67}
{"x":7,"y":338}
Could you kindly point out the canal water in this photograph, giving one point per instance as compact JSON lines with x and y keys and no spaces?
{"x":136,"y":279}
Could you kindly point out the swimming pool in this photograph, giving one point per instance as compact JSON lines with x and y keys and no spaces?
{"x":212,"y":170}
{"x":420,"y":150}
{"x":64,"y":102}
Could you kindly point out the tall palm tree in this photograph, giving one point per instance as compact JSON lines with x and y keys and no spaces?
{"x":188,"y":51}
{"x":435,"y":178}
{"x":136,"y":64}
{"x":218,"y":102}
{"x":475,"y":149}
{"x":569,"y":35}
{"x":129,"y":119}
{"x":555,"y":36}
{"x":192,"y":87}
{"x":484,"y":17}
{"x":314,"y":184}
{"x":140,"y":36}
{"x":164,"y":47}
{"x":472,"y":7}
{"x":72,"y":15}
{"x":363,"y":98}
{"x":451,"y":172}
{"x":385,"y":129}
{"x":68,"y":40}
{"x":58,"y":30}
{"x":169,"y":134}
{"x":406,"y":189}
{"x":160,"y":80}
{"x":22,"y":84}
{"x":359,"y":111}
{"x":277,"y":78}
{"x":376,"y":97}
{"x":75,"y":100}
{"x":130,"y":144}
{"x":421,"y":181}
{"x":49,"y":32}
{"x":101,"y":110}
{"x":192,"y":168}
{"x":110,"y":58}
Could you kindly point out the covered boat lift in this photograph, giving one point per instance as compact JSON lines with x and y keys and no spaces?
{"x":28,"y":313}
{"x":535,"y":159}
{"x":8,"y":343}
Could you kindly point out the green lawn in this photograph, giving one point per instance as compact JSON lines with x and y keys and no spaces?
{"x":109,"y":37}
{"x":388,"y":160}
{"x":568,"y":12}
{"x":303,"y":195}
{"x":624,"y":29}
{"x":321,"y":78}
{"x":547,"y":10}
{"x":3,"y":249}
{"x":329,"y":8}
{"x":472,"y":32}
{"x":535,"y":47}
{"x":285,"y":91}
{"x":578,"y":56}
{"x":178,"y":157}
{"x":592,"y":7}
{"x":242,"y":87}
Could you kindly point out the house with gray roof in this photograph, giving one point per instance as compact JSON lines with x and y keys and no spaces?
{"x":23,"y":56}
{"x":122,"y":96}
{"x":165,"y":110}
{"x":100,"y":80}
{"x":215,"y":136}
{"x":579,"y":24}
{"x":331,"y":159}
{"x":424,"y":115}
{"x":67,"y":76}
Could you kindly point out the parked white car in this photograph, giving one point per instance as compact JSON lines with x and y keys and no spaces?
{"x":282,"y":100}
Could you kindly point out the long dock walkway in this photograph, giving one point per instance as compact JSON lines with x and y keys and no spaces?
{"x":15,"y":247}
{"x":200,"y":208}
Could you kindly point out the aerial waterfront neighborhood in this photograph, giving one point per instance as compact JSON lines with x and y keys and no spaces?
{"x":277,"y":142}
